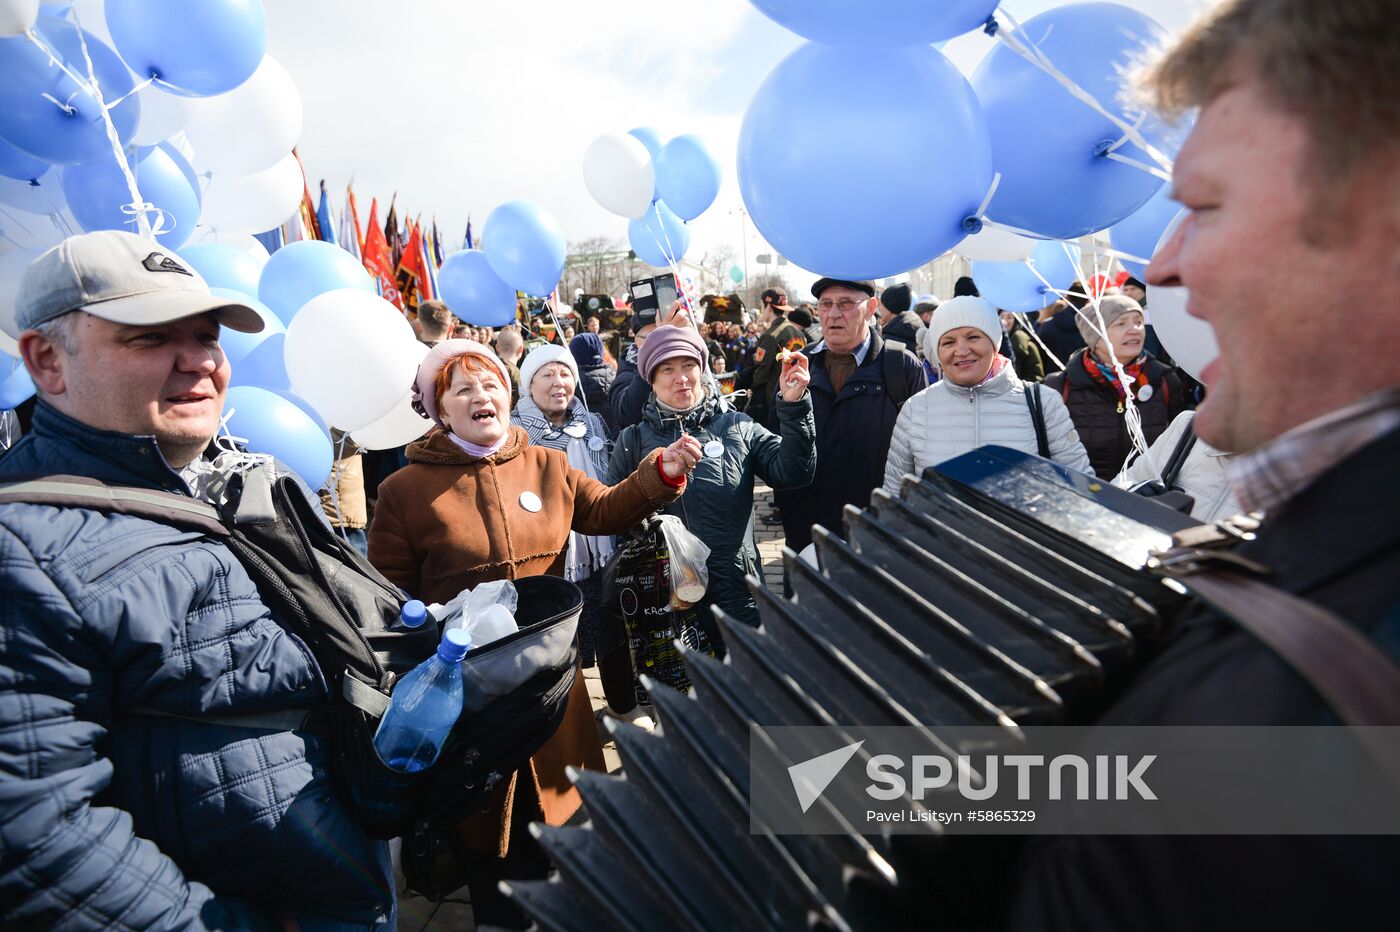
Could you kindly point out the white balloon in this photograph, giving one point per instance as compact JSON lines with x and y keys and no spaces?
{"x":402,"y":425}
{"x":992,"y":244}
{"x":351,"y":355}
{"x":12,"y":266}
{"x":253,"y":203}
{"x":250,"y":127}
{"x":1189,"y":340}
{"x":617,"y":171}
{"x":162,"y":115}
{"x":17,"y":16}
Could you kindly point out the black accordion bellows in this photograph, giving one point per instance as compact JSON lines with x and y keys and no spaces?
{"x":996,"y":590}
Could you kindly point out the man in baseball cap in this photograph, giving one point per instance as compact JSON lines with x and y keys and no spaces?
{"x":120,"y":335}
{"x":139,"y":651}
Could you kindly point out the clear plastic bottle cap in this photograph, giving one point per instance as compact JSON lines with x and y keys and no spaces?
{"x":454,"y":645}
{"x":413,"y":614}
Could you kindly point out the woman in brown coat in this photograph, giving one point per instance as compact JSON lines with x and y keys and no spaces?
{"x":478,"y":503}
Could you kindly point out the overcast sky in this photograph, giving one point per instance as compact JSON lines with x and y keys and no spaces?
{"x":459,"y":106}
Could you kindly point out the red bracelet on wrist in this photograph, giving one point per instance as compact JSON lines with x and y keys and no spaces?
{"x":676,"y":483}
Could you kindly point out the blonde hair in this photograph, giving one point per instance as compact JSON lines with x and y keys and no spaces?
{"x":1332,"y":63}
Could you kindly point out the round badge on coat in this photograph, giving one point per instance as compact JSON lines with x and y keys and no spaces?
{"x":714,"y":449}
{"x":530,"y":501}
{"x":575,"y":430}
{"x":1144,"y":393}
{"x":596,"y":443}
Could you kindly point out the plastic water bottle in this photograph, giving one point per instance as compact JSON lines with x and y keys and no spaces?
{"x":411,"y":616}
{"x":424,"y":707}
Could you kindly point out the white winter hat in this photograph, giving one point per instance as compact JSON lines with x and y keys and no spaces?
{"x":541,"y":356}
{"x":964,"y":311}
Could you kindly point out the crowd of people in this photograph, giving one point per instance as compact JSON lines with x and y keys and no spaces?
{"x":137,"y":795}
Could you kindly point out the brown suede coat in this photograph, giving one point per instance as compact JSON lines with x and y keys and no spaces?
{"x":449,"y":520}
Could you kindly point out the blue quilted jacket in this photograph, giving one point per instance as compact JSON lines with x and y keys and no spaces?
{"x":110,"y":819}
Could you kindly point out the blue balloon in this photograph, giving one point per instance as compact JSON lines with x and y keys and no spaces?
{"x":652,"y":140}
{"x":1014,"y":286}
{"x":224,"y":266}
{"x":298,"y":272}
{"x":18,"y":164}
{"x":525,"y":246}
{"x":837,"y":202}
{"x":887,"y":23}
{"x":75,"y":132}
{"x":648,"y":137}
{"x":273,"y":424}
{"x":199,"y":49}
{"x":16,"y":387}
{"x":659,"y":238}
{"x":264,"y":366}
{"x":97,"y":192}
{"x":1050,"y":147}
{"x":1138,"y":233}
{"x":238,"y":345}
{"x":687,"y":176}
{"x":474,"y":292}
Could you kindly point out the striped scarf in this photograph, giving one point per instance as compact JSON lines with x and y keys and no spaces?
{"x":586,"y":554}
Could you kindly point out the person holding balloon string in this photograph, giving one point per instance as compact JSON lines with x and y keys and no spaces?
{"x":479,"y":502}
{"x":1094,"y":394}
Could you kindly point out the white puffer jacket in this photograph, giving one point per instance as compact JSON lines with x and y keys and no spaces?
{"x":1203,"y":475}
{"x":947,"y":420}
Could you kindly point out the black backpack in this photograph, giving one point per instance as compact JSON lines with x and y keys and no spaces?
{"x":322,"y":590}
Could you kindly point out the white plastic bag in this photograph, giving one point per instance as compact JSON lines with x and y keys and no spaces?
{"x":486,"y":612}
{"x":689,"y":576}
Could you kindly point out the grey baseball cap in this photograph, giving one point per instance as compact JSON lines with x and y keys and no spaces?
{"x":124,"y":278}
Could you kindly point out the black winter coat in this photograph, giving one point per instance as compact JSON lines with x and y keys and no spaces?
{"x":594,"y":384}
{"x":1099,"y":417}
{"x":629,"y":392}
{"x":1061,"y":336}
{"x":905,"y":328}
{"x":1337,"y":543}
{"x":853,"y":441}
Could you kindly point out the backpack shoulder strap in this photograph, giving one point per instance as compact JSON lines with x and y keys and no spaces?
{"x":896,"y":386}
{"x":1033,"y":401}
{"x":82,"y":492}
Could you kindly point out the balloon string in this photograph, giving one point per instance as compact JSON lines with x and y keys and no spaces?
{"x":133,"y":92}
{"x":1032,"y":53}
{"x":973,"y":224}
{"x":673,"y":261}
{"x":1140,"y":165}
{"x":1025,"y":319}
{"x":138,"y":206}
{"x":58,"y":63}
{"x":1132,"y":418}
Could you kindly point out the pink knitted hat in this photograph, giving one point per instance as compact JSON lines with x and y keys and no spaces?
{"x":425,"y":392}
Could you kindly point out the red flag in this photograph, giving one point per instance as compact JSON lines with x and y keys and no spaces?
{"x":413,"y":281}
{"x":376,"y":258}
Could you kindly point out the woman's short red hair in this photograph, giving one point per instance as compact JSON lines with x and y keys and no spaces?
{"x":468,"y":364}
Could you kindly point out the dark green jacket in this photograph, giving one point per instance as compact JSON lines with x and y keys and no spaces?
{"x":717,"y":506}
